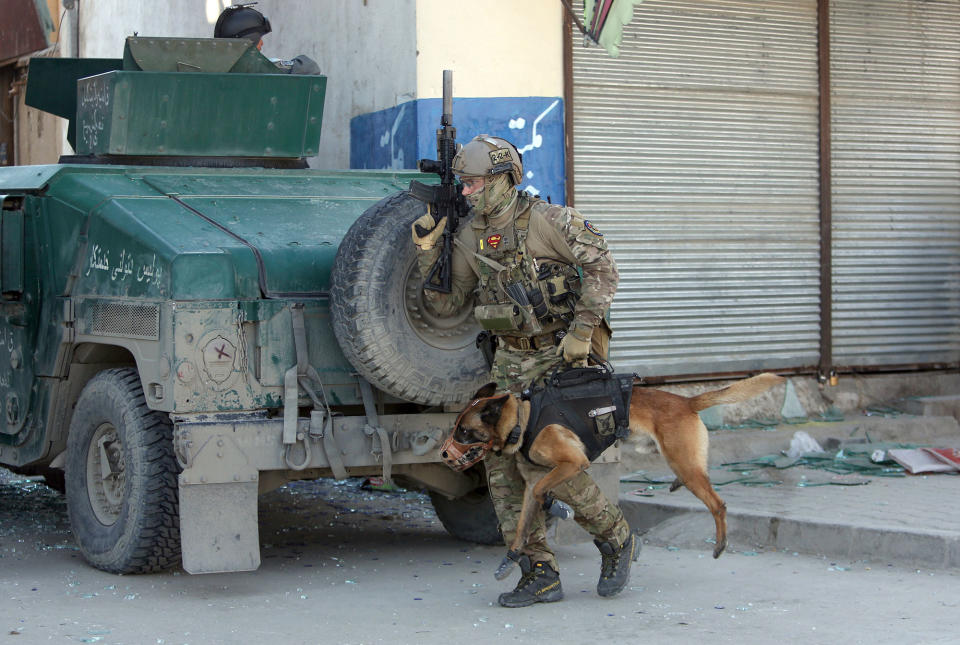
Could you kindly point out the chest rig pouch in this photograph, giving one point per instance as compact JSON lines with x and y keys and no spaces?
{"x":592,"y":401}
{"x":498,"y":310}
{"x":515,"y":293}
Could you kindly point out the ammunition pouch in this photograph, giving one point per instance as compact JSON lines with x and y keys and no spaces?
{"x":499,"y":317}
{"x":560,"y":284}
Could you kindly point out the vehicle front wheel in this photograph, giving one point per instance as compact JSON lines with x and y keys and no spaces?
{"x":121,"y":478}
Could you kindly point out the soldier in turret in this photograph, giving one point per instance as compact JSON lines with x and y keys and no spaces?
{"x":243,"y":21}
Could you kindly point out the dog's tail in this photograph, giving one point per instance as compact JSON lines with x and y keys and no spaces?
{"x":739,"y":391}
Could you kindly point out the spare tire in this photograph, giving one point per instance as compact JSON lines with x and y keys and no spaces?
{"x":380,"y":318}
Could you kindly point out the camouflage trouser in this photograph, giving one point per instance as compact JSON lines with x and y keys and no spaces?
{"x":507,"y":474}
{"x":515,"y":369}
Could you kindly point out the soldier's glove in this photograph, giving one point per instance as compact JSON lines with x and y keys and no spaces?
{"x":430,"y":230}
{"x":575,"y":346}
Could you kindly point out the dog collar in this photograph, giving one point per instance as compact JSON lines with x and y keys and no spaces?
{"x":514,"y":435}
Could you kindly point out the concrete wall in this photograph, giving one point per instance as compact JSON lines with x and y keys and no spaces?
{"x":495,"y":48}
{"x":366,"y":48}
{"x":104,"y":24}
{"x":39,"y":136}
{"x":507,"y":63}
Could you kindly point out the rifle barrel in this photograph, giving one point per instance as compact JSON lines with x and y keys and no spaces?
{"x":447,"y":116}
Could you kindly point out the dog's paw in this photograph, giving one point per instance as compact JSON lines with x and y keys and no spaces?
{"x":721,"y":546}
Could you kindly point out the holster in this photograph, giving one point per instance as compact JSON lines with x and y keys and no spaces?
{"x":487,"y":344}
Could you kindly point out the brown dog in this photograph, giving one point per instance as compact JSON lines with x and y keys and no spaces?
{"x":671,"y":420}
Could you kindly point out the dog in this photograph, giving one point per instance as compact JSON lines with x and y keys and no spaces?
{"x":671,"y":420}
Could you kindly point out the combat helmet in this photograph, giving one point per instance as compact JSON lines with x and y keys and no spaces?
{"x":242,"y":21}
{"x":486,"y":156}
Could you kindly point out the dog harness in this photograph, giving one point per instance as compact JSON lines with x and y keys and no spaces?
{"x":593,"y":402}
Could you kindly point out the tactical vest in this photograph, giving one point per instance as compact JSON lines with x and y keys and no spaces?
{"x":592,"y":402}
{"x":517,"y":294}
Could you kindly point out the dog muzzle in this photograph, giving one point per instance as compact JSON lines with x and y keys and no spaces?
{"x":461,"y":456}
{"x":457,"y":451}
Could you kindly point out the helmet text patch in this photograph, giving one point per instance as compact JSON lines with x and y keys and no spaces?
{"x":499,"y":156}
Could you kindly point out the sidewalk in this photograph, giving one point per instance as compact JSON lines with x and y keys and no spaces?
{"x":909,"y":520}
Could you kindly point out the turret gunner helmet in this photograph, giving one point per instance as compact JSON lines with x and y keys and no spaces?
{"x":242,"y":21}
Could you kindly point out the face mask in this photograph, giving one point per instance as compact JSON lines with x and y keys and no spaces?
{"x":496,"y":195}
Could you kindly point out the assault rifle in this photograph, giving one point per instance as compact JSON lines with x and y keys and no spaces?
{"x":445,"y":199}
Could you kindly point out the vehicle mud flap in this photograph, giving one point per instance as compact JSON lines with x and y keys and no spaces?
{"x":218,"y":510}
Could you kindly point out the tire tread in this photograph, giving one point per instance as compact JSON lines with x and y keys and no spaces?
{"x":359,"y":272}
{"x":153,"y":529}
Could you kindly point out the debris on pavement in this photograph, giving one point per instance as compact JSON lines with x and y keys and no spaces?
{"x":927,"y":460}
{"x":851,"y":462}
{"x":381,"y":485}
{"x":801,"y":444}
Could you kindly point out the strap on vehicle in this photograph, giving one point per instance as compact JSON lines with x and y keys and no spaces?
{"x":373,"y":427}
{"x":303,"y":374}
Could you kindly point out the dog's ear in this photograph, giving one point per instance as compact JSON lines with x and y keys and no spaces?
{"x":493,"y":410}
{"x":486,"y":391}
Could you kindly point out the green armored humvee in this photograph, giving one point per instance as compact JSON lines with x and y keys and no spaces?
{"x":192,"y":317}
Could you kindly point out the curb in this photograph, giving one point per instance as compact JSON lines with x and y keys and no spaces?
{"x":772,"y":521}
{"x":668,"y":524}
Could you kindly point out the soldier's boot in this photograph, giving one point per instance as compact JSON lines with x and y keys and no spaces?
{"x":615,"y":567}
{"x":538,"y":583}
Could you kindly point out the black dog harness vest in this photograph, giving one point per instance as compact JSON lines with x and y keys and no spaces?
{"x":592,"y":401}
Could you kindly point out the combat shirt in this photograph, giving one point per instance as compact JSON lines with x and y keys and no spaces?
{"x":554,"y":232}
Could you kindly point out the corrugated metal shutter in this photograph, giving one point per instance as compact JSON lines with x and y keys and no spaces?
{"x":696,"y":152}
{"x":896,"y":188}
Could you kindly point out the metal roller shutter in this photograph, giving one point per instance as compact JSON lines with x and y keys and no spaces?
{"x":896,"y":188}
{"x":696,"y":153}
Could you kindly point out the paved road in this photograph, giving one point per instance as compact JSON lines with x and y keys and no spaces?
{"x":366,"y":567}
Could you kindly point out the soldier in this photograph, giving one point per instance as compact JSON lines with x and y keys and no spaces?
{"x":243,"y":21}
{"x":514,"y":246}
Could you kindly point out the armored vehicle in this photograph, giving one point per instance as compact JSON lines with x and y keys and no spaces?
{"x":191,"y":317}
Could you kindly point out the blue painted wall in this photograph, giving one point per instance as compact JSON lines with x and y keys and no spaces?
{"x":397,"y":137}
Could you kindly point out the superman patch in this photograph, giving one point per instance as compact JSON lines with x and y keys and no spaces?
{"x":590,"y":227}
{"x":494,"y":240}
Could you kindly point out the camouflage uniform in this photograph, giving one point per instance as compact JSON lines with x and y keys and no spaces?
{"x":527,"y":237}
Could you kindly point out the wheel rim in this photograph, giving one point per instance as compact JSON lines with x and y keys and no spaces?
{"x":442,"y":332}
{"x":105,"y":474}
